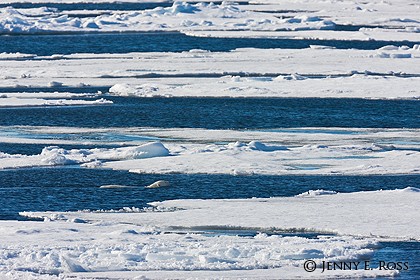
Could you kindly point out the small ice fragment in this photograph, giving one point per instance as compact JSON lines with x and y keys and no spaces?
{"x":114,"y":187}
{"x":158,"y":184}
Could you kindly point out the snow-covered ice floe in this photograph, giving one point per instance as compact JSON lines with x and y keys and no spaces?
{"x":104,"y":244}
{"x":388,"y":72}
{"x":284,"y":152}
{"x":31,"y":102}
{"x":376,"y":19}
{"x":181,"y":16}
{"x":265,"y":159}
{"x":115,"y":250}
{"x":236,"y":158}
{"x":383,"y":214}
{"x":53,"y":156}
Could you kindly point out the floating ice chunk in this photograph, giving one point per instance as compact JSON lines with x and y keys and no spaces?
{"x":321,"y":47}
{"x":158,"y":184}
{"x":114,"y":187}
{"x":316,"y":193}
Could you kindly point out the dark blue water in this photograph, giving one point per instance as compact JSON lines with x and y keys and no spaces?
{"x":71,"y":188}
{"x":224,"y":113}
{"x":114,"y":6}
{"x":399,"y":252}
{"x":161,"y":42}
{"x":89,"y":6}
{"x":35,"y":149}
{"x":68,"y":189}
{"x":87,"y":89}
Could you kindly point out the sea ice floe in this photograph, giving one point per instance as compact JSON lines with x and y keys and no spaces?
{"x":382,"y":214}
{"x":229,"y":17}
{"x":389,"y":72}
{"x":239,"y":158}
{"x":53,"y":155}
{"x":59,"y":249}
{"x":287,"y":151}
{"x":193,"y":237}
{"x":6,"y":101}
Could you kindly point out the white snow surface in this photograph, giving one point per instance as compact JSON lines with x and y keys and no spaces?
{"x":378,"y":19}
{"x":279,"y":152}
{"x":53,"y":156}
{"x":181,"y":16}
{"x":80,"y":250}
{"x":389,"y":72}
{"x":381,"y":214}
{"x":104,"y":244}
{"x":238,"y":158}
{"x":199,"y":238}
{"x":30,"y":102}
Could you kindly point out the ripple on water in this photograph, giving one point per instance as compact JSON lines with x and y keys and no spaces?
{"x":69,"y":188}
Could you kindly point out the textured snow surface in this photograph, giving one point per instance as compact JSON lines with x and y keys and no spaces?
{"x":391,"y":20}
{"x":181,"y":16}
{"x":385,"y":214}
{"x":288,"y":151}
{"x":53,"y":250}
{"x":389,"y":72}
{"x":29,"y":102}
{"x":53,"y":155}
{"x":220,"y":238}
{"x":98,"y":242}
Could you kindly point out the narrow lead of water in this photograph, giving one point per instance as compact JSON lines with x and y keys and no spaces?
{"x":69,"y":189}
{"x":224,"y":113}
{"x":46,"y":45}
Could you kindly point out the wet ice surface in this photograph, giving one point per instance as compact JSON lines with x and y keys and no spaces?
{"x":295,"y":151}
